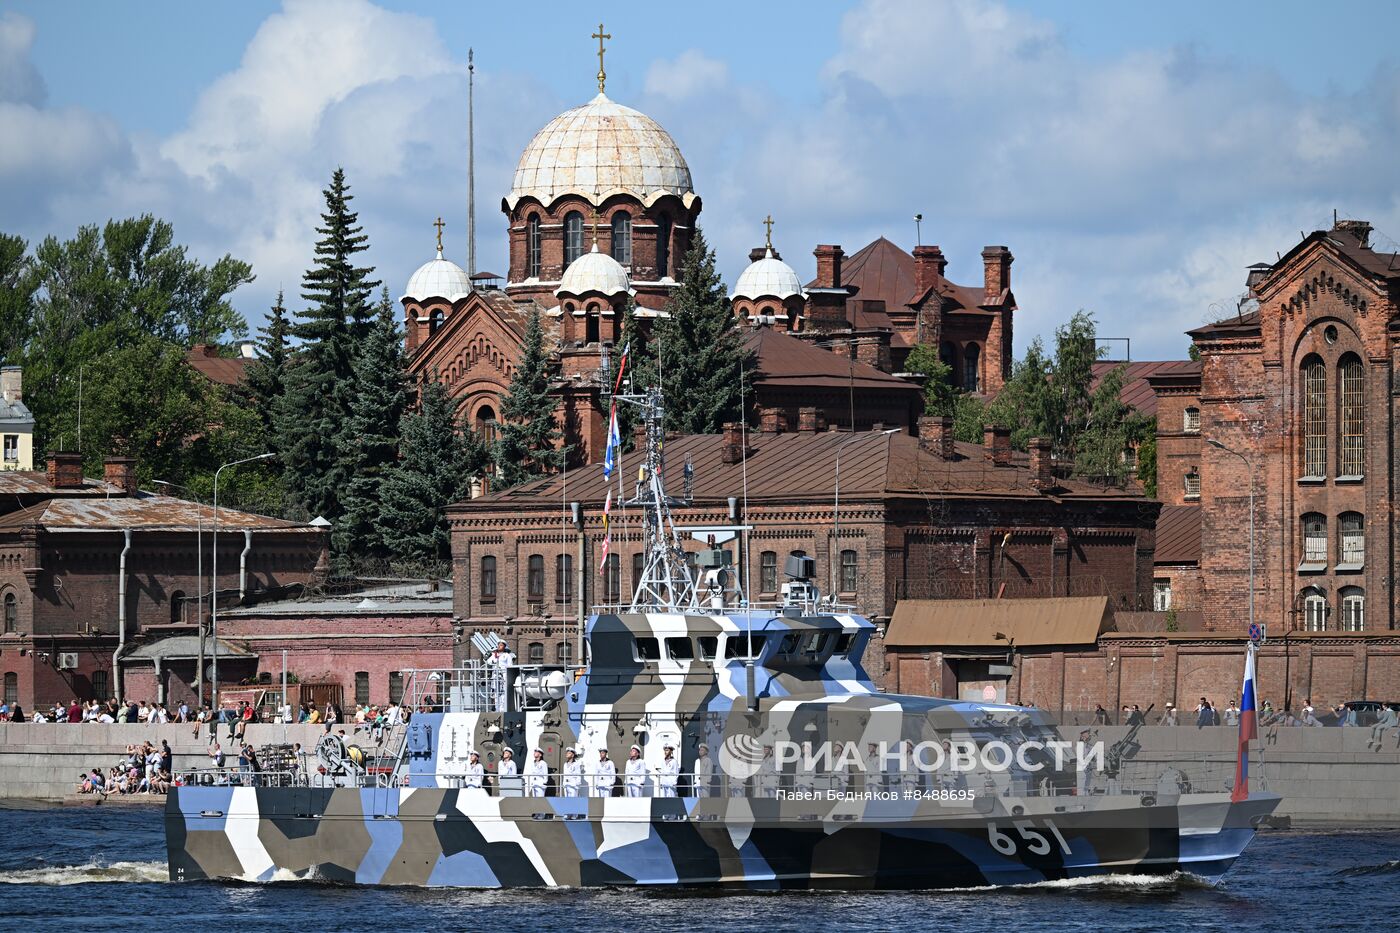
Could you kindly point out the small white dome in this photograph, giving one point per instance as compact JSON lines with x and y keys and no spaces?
{"x":597,"y":150}
{"x":768,"y":277}
{"x":438,"y":278}
{"x":595,"y":272}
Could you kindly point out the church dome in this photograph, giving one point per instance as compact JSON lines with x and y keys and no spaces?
{"x":438,"y":278}
{"x":768,"y":277}
{"x":597,"y":150}
{"x":595,"y":272}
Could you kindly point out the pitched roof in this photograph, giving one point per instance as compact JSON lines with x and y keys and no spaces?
{"x":35,"y":483}
{"x":1057,"y":620}
{"x":1137,"y":379}
{"x":224,"y":370}
{"x":1178,"y":535}
{"x":784,"y":360}
{"x":141,"y":511}
{"x":881,"y":270}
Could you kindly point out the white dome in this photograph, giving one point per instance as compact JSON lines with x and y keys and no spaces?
{"x":595,"y":272}
{"x":768,"y":277}
{"x":598,"y":150}
{"x":438,"y":278}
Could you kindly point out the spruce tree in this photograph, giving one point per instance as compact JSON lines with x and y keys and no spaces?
{"x":435,"y":469}
{"x":314,"y":414}
{"x":372,"y":443}
{"x":267,"y":378}
{"x":699,"y":352}
{"x":526,"y":446}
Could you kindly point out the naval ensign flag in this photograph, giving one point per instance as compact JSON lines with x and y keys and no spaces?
{"x":1249,"y":728}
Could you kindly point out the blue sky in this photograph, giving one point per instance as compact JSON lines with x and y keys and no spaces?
{"x":1135,"y":157}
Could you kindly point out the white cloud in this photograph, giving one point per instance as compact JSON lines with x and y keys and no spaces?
{"x":20,"y":81}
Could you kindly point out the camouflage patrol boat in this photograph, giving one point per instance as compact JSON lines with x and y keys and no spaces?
{"x":705,"y":741}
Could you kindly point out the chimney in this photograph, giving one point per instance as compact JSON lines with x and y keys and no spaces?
{"x":733,"y":449}
{"x":12,"y":383}
{"x":1360,"y":229}
{"x":770,"y":420}
{"x":207,"y":350}
{"x":929,"y":264}
{"x":1042,"y":472}
{"x":828,"y":266}
{"x":120,"y":472}
{"x":807,"y":420}
{"x":65,"y":470}
{"x":996,"y":273}
{"x":997,"y":440}
{"x":936,"y":436}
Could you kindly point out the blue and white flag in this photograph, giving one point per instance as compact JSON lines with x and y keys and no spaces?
{"x":614,"y":442}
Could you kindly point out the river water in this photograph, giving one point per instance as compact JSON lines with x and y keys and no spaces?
{"x":103,"y":868}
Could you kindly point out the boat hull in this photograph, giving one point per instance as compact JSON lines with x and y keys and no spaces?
{"x":463,"y":838}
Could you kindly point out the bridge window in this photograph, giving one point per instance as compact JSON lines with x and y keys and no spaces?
{"x":737,"y":646}
{"x":646,"y":648}
{"x":709,"y":645}
{"x":844,"y":642}
{"x":680,"y":649}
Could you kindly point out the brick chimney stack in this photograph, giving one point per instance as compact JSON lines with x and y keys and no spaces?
{"x":997,"y":440}
{"x":770,"y":420}
{"x":733,"y":449}
{"x":936,"y":436}
{"x":120,"y":472}
{"x":828,"y":266}
{"x":12,"y":384}
{"x":809,"y":421}
{"x":1042,"y":468}
{"x":996,"y":273}
{"x":929,"y":264}
{"x":65,"y":470}
{"x":1361,"y":229}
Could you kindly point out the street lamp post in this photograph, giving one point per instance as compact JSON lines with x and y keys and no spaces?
{"x":199,"y":587}
{"x":836,"y":507}
{"x":214,"y":585}
{"x":1249,"y":468}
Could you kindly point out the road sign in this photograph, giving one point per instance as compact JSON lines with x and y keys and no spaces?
{"x":1257,"y":634}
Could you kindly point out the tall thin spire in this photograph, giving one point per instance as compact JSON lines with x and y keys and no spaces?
{"x":471,"y":163}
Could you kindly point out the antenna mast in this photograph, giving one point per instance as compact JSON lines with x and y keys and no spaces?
{"x":471,"y":163}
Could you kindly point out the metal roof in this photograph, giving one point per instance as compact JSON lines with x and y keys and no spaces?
{"x":1178,"y":535}
{"x":1137,"y":390}
{"x":182,"y":647}
{"x":1060,"y":620}
{"x":783,"y":360}
{"x":225,"y":370}
{"x":36,"y":483}
{"x":406,"y":598}
{"x":142,"y":511}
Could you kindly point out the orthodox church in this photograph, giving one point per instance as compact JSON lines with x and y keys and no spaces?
{"x":601,"y":212}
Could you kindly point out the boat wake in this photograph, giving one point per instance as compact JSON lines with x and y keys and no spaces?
{"x":1355,"y":871}
{"x":90,"y":873}
{"x":1144,"y":884}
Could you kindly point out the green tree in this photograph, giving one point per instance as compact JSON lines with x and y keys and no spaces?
{"x":376,"y":409}
{"x":942,"y":398}
{"x":699,"y":351}
{"x":1110,"y":431}
{"x":19,"y":280}
{"x":526,"y":447}
{"x":314,"y":416}
{"x":437,"y":462}
{"x":1147,"y":459}
{"x":266,"y":379}
{"x":641,"y":369}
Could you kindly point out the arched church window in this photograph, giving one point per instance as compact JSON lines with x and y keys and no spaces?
{"x":663,"y":247}
{"x":972,"y":358}
{"x":434,"y":321}
{"x":590,"y":330}
{"x":573,"y":237}
{"x":1314,"y":418}
{"x":532,"y":247}
{"x":622,"y":238}
{"x":486,"y":424}
{"x":1352,"y":405}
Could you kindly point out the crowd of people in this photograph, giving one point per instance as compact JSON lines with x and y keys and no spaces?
{"x":1207,"y":713}
{"x":145,"y":769}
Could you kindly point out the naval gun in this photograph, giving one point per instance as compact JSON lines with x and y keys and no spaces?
{"x":1125,"y":748}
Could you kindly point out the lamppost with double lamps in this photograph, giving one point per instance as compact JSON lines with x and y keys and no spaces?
{"x":1249,"y":468}
{"x":214,"y":583}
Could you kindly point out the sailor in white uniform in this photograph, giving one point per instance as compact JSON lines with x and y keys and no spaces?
{"x":604,"y":775}
{"x":506,"y":772}
{"x":636,"y":773}
{"x":499,"y":662}
{"x":668,"y":775}
{"x":573,"y":774}
{"x":473,"y":773}
{"x":704,"y":771}
{"x":536,"y":775}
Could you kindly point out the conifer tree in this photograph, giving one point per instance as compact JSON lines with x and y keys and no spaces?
{"x":372,"y":443}
{"x":435,"y":469}
{"x":267,"y":378}
{"x":526,"y":446}
{"x":314,"y":413}
{"x":699,"y":352}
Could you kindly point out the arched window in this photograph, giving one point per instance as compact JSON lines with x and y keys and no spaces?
{"x":590,"y":327}
{"x":972,"y":358}
{"x":612,"y":580}
{"x":573,"y":237}
{"x":486,"y":424}
{"x":434,"y":321}
{"x":99,"y":685}
{"x":1314,"y":418}
{"x":1191,"y":420}
{"x":564,"y":577}
{"x":1351,"y":400}
{"x":11,"y":614}
{"x":177,"y":607}
{"x":532,"y":247}
{"x":534,"y":577}
{"x":1314,"y":610}
{"x":663,"y":247}
{"x":1315,"y":539}
{"x":488,"y":579}
{"x":848,"y":571}
{"x":622,"y":238}
{"x":536,"y":652}
{"x":564,"y":652}
{"x":11,"y":688}
{"x":768,"y":572}
{"x":1351,"y":555}
{"x":1192,"y":484}
{"x":1353,"y":608}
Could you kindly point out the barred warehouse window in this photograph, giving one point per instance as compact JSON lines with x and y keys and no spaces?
{"x":848,"y":571}
{"x":11,"y":688}
{"x":362,"y":688}
{"x":1314,"y":538}
{"x":1353,"y":608}
{"x":534,"y":577}
{"x":1314,"y":419}
{"x":768,"y":572}
{"x":1314,"y":610}
{"x":1352,"y":403}
{"x":1353,"y":540}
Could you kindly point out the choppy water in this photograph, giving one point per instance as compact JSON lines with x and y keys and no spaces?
{"x":103,"y":868}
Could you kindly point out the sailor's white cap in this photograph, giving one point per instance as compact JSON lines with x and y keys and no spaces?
{"x":637,"y":749}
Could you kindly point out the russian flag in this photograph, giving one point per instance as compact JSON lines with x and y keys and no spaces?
{"x":621,"y":366}
{"x":1249,"y":728}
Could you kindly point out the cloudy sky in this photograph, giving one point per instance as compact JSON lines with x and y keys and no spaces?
{"x":1135,"y":157}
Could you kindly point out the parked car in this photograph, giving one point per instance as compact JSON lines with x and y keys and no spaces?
{"x":1366,"y":711}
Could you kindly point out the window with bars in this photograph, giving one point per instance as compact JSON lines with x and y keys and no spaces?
{"x":395,"y":687}
{"x":1193,"y":484}
{"x":1314,"y":419}
{"x":573,"y":237}
{"x":1353,"y":539}
{"x":1314,"y":611}
{"x":612,"y":580}
{"x":848,"y":571}
{"x":1191,"y":421}
{"x":532,"y":247}
{"x":536,"y":652}
{"x":534,"y":577}
{"x":11,"y":689}
{"x":622,"y":239}
{"x":564,"y":652}
{"x":564,"y":577}
{"x":362,"y":688}
{"x":1352,"y":402}
{"x":1353,"y":609}
{"x":488,"y":579}
{"x":99,"y":685}
{"x":768,"y":572}
{"x":1161,"y":595}
{"x":1314,"y":538}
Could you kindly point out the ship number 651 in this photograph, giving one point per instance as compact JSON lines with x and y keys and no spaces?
{"x":1034,"y":840}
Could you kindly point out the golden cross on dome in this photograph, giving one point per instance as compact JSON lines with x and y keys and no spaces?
{"x":768,"y":222}
{"x":439,"y":224}
{"x":602,"y":75}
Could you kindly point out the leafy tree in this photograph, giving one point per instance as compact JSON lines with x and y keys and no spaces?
{"x":1147,"y":459}
{"x":526,"y":445}
{"x":19,"y":280}
{"x":314,"y":415}
{"x":942,"y":398}
{"x":376,"y":408}
{"x":435,"y":469}
{"x":266,"y":379}
{"x":700,"y":354}
{"x":1111,"y":429}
